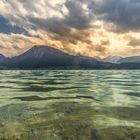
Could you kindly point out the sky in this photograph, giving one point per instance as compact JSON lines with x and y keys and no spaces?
{"x":88,"y":27}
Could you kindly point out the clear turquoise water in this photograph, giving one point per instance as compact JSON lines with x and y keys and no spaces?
{"x":70,"y":105}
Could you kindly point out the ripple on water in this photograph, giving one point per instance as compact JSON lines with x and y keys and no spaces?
{"x":69,"y":105}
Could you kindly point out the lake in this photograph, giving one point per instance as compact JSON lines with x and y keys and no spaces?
{"x":70,"y":105}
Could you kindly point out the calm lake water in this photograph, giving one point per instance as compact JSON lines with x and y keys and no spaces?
{"x":70,"y":105}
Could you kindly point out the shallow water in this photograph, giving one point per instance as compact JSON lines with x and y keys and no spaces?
{"x":70,"y":105}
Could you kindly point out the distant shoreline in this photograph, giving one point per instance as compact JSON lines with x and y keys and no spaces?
{"x":67,"y":69}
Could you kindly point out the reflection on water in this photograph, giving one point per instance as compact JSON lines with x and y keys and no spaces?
{"x":70,"y":105}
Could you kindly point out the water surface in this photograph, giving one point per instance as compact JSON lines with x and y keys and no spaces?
{"x":70,"y":105}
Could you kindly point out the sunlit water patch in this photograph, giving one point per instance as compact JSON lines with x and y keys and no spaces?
{"x":70,"y":105}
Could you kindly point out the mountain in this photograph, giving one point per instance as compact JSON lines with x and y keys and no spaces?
{"x":2,"y":57}
{"x":133,"y":59}
{"x":45,"y":57}
{"x":112,"y":59}
{"x":48,"y":57}
{"x":119,"y":60}
{"x":41,"y":56}
{"x":109,"y":59}
{"x":2,"y":61}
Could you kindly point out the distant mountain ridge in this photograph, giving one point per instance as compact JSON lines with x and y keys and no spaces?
{"x":44,"y":57}
{"x":48,"y":57}
{"x":132,"y":59}
{"x":110,"y":59}
{"x":2,"y":58}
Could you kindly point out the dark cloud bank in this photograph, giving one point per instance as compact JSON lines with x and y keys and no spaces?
{"x":124,"y":14}
{"x":121,"y":15}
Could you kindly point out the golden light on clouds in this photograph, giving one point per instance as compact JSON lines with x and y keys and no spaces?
{"x":92,"y":27}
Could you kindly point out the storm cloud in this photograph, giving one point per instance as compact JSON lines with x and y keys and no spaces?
{"x":124,"y":14}
{"x":79,"y":14}
{"x":80,"y":26}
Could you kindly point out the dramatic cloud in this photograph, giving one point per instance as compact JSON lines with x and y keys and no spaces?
{"x":124,"y":14}
{"x":89,"y":27}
